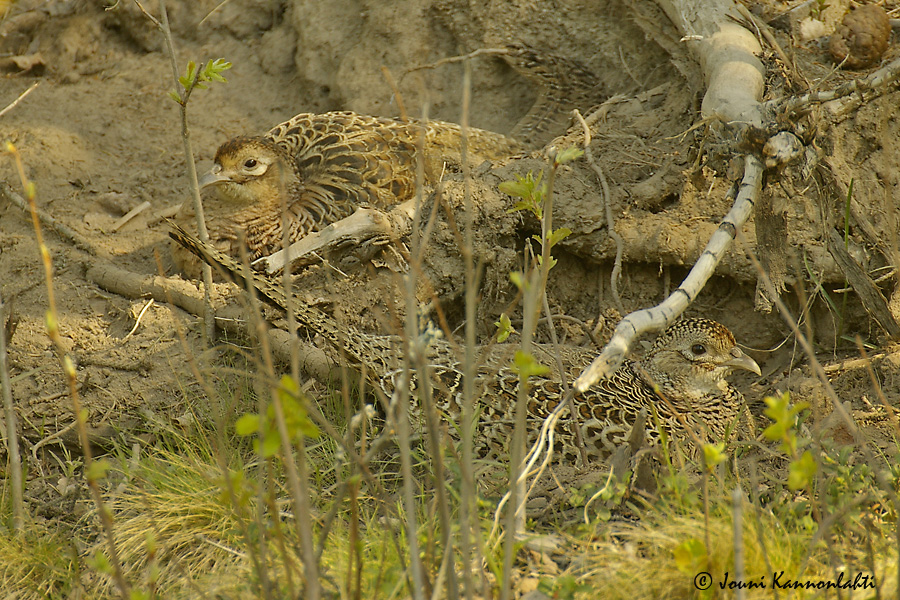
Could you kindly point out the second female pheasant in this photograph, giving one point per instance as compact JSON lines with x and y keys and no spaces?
{"x":681,"y":381}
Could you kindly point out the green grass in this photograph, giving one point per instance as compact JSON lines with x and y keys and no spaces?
{"x":179,"y":533}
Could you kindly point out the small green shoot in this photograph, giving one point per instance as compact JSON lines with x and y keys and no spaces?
{"x":817,"y":10}
{"x":504,"y":328}
{"x":530,"y":189}
{"x":296,"y":419}
{"x":713,"y":455}
{"x":526,"y":365}
{"x":196,"y":77}
{"x":803,"y":466}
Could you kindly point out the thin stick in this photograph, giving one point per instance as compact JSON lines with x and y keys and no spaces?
{"x":130,"y":215}
{"x":456,"y":59}
{"x":202,"y":233}
{"x":401,"y":107}
{"x":12,"y":436}
{"x":662,"y":315}
{"x":13,"y":104}
{"x":91,"y":473}
{"x":610,"y":222}
{"x":137,"y":321}
{"x":63,"y":230}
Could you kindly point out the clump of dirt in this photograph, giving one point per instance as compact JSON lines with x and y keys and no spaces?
{"x":99,"y":137}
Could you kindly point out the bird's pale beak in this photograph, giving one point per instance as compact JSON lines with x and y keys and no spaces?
{"x":740,"y":360}
{"x":214,"y":176}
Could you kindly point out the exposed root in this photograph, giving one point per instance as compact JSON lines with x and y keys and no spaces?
{"x":664,"y":314}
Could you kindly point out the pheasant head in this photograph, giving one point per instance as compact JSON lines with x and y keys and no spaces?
{"x":693,"y":357}
{"x":248,"y":170}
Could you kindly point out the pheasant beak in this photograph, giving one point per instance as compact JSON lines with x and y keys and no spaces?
{"x":214,"y":176}
{"x":739,"y":360}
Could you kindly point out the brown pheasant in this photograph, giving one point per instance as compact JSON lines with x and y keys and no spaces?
{"x":681,"y":377}
{"x":563,"y":84}
{"x":319,"y":168}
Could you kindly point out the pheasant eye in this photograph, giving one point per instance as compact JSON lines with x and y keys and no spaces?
{"x":698,"y":349}
{"x":250,"y":163}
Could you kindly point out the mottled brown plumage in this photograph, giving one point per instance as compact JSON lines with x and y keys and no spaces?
{"x":319,"y":168}
{"x":681,"y":377}
{"x":563,"y":84}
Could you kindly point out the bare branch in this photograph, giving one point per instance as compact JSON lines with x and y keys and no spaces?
{"x":13,"y":104}
{"x":662,"y":315}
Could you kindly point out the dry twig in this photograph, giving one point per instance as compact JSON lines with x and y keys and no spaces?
{"x":665,"y":313}
{"x":13,"y":104}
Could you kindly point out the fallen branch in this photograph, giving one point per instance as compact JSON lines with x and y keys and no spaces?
{"x":231,"y":318}
{"x":665,"y":313}
{"x":868,"y":292}
{"x":362,"y":227}
{"x":13,"y":104}
{"x":46,"y":220}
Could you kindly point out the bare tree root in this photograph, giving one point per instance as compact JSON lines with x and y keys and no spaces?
{"x":845,"y":97}
{"x":610,"y":222}
{"x":662,"y":315}
{"x":727,"y":53}
{"x":63,"y":230}
{"x":366,"y":226}
{"x":231,"y":318}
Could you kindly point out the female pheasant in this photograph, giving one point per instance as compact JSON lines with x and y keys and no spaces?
{"x":316,"y":169}
{"x":681,"y":378}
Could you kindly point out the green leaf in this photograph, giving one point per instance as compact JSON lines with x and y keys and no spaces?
{"x":530,"y":190}
{"x":568,"y":155}
{"x":288,"y":388}
{"x":174,"y":96}
{"x":518,"y":279}
{"x":689,"y":556}
{"x":213,"y":70}
{"x":559,"y":235}
{"x":271,"y":444}
{"x":190,"y":72}
{"x":247,"y":425}
{"x":802,"y":471}
{"x":714,"y":454}
{"x":97,"y":470}
{"x":526,"y":365}
{"x":522,"y":187}
{"x":523,"y":205}
{"x":504,"y":328}
{"x":100,"y":562}
{"x":309,"y":429}
{"x":775,"y":431}
{"x":540,"y":261}
{"x":295,"y":415}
